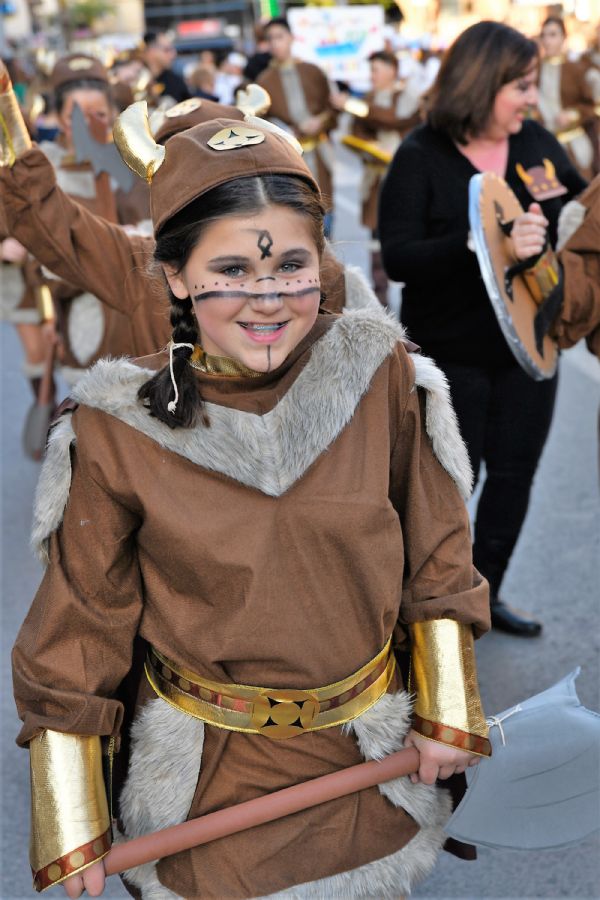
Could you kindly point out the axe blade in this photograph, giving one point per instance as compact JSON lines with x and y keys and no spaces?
{"x":540,"y":788}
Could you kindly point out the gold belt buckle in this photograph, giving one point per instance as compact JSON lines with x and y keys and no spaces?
{"x":284,"y":714}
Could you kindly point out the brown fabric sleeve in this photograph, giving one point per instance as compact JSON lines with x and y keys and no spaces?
{"x":84,"y":250}
{"x":440,"y":581}
{"x":580,"y":259}
{"x":385,"y":117}
{"x":75,"y":645}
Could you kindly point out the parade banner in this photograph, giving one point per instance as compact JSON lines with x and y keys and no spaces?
{"x":339,"y":40}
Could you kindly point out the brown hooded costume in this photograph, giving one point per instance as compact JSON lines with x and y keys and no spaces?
{"x":320,"y":513}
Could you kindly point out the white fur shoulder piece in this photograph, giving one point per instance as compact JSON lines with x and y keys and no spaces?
{"x":359,"y":293}
{"x":54,"y":484}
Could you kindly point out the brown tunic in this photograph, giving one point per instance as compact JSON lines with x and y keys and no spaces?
{"x":94,"y":255}
{"x":316,"y":92}
{"x":294,"y":584}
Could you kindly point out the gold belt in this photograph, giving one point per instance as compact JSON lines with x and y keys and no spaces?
{"x":271,"y":712}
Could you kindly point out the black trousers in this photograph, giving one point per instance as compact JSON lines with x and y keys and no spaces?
{"x":504,"y":417}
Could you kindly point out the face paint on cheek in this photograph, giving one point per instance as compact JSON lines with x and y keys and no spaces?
{"x":267,"y":295}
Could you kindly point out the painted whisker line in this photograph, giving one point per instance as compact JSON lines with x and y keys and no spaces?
{"x":267,"y":295}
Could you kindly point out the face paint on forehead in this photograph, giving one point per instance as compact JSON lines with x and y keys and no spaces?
{"x":257,"y":295}
{"x":264,"y":244}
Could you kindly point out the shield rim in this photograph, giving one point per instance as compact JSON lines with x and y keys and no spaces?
{"x":493,"y":290}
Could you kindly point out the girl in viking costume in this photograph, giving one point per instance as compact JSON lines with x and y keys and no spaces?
{"x":266,"y":509}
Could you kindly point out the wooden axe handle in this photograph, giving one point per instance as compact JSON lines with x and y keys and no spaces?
{"x":228,"y":821}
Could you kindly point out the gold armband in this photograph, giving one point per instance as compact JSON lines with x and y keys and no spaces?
{"x":45,"y":303}
{"x":14,"y":137}
{"x":444,"y":678}
{"x":70,"y":824}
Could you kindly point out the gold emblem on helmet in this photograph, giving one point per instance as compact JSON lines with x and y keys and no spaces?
{"x":236,"y":137}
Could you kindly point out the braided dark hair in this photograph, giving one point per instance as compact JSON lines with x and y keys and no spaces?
{"x":174,"y":245}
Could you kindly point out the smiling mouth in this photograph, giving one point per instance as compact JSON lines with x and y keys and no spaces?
{"x":262,"y":327}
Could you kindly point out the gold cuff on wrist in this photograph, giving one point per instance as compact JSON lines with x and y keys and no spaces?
{"x":444,"y":678}
{"x":14,"y":137}
{"x":70,"y":824}
{"x":45,"y":304}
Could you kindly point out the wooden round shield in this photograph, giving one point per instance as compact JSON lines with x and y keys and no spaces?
{"x":491,"y":205}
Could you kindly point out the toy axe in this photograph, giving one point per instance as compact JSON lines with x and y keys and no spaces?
{"x":539,"y":789}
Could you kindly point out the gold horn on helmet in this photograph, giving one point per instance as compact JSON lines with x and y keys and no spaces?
{"x":253,"y":100}
{"x":525,"y":177}
{"x":264,"y":125}
{"x":135,"y":143}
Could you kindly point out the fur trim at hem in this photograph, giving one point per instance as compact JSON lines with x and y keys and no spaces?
{"x":164,"y":768}
{"x":381,"y":731}
{"x":164,"y":764}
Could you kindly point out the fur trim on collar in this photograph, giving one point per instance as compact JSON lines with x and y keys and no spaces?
{"x":263,"y":452}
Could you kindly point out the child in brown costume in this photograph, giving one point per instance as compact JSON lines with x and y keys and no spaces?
{"x":276,"y":499}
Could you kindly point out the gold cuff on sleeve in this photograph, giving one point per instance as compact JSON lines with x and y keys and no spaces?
{"x":45,"y":304}
{"x":444,"y":677}
{"x":70,"y":824}
{"x":14,"y":137}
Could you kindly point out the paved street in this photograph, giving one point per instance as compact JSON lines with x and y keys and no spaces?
{"x":554,"y":574}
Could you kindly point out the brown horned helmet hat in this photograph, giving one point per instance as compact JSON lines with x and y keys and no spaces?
{"x":204,"y":156}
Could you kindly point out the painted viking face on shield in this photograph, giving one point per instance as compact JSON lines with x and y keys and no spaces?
{"x":255,"y":284}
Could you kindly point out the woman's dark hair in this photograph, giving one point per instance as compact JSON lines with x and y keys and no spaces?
{"x":86,"y":84}
{"x":174,"y":245}
{"x":481,"y":60}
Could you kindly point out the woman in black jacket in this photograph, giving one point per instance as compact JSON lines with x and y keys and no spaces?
{"x":477,"y":121}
